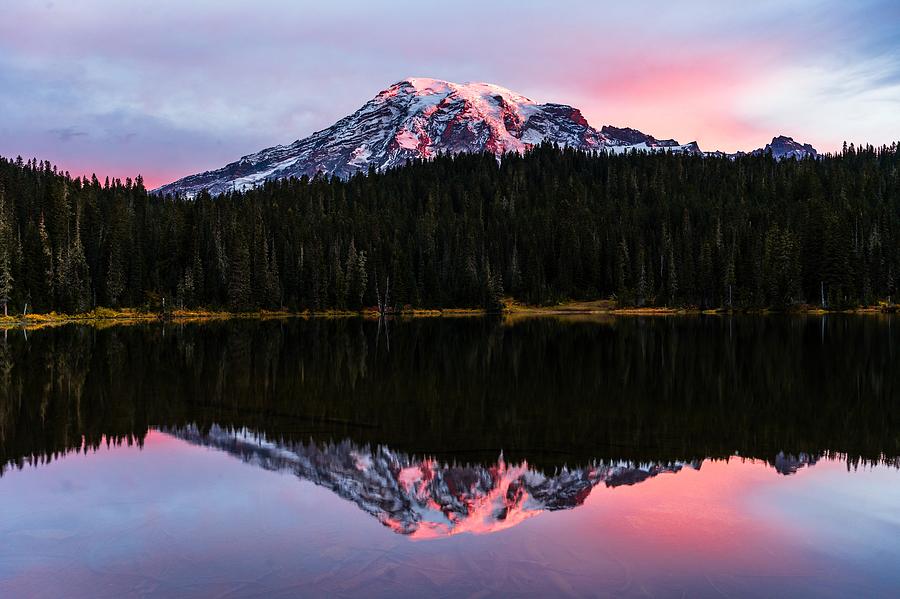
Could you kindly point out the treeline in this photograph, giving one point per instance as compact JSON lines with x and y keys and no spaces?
{"x":466,"y":231}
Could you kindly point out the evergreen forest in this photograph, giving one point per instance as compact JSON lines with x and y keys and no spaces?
{"x":552,"y":225}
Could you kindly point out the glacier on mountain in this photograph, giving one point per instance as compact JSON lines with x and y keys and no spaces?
{"x":419,"y":118}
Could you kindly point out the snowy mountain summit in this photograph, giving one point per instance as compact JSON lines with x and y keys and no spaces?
{"x":421,"y":118}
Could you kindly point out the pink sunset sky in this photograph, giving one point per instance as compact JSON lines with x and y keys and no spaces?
{"x":166,"y":88}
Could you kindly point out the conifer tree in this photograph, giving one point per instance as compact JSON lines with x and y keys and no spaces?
{"x":239,"y":276}
{"x":6,"y":278}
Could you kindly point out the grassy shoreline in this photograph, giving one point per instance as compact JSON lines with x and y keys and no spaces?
{"x":511,"y":309}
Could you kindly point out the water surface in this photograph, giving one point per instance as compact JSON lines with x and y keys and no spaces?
{"x":595,"y":457}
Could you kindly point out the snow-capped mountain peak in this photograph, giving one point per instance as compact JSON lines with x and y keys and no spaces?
{"x":473,"y":91}
{"x":420,"y":117}
{"x":417,"y":117}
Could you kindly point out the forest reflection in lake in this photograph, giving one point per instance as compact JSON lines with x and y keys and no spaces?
{"x":547,"y":391}
{"x":621,"y":434}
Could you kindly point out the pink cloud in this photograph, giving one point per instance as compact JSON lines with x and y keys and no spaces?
{"x":689,"y":96}
{"x":201,"y":84}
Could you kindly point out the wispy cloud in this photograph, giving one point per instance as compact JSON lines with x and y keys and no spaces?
{"x":67,"y":133}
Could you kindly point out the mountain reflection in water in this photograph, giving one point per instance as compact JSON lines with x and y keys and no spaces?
{"x":425,"y":498}
{"x":689,"y":456}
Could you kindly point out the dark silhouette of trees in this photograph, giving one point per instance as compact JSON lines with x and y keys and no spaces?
{"x":463,"y":231}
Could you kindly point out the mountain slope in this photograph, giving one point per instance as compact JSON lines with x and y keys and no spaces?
{"x":420,"y":118}
{"x":785,"y":147}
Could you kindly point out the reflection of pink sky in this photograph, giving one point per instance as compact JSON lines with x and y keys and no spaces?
{"x":157,"y":439}
{"x":710,"y":525}
{"x":704,"y":508}
{"x":703,"y":512}
{"x":174,"y":518}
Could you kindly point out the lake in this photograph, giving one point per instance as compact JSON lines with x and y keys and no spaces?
{"x":580,"y":456}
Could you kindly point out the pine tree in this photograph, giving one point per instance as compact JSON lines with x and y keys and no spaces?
{"x":361,"y":279}
{"x":493,"y":289}
{"x":273,"y":279}
{"x":515,"y":272}
{"x":339,"y":281}
{"x":74,"y":277}
{"x":6,"y":278}
{"x":45,"y":266}
{"x":729,"y":281}
{"x":356,"y":277}
{"x":643,"y":286}
{"x":115,"y":272}
{"x":239,"y":275}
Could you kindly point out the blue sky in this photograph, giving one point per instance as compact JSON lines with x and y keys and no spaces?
{"x":169,"y":88}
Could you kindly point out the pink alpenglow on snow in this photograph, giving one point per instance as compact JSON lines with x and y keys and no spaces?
{"x":421,"y":118}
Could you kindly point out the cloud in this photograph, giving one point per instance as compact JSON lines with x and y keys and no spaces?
{"x":855,"y":103}
{"x":189,"y":86}
{"x":67,"y":133}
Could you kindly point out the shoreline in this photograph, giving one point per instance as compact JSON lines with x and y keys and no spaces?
{"x":511,"y":310}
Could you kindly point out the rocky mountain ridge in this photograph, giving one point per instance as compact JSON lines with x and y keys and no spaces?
{"x":419,"y":118}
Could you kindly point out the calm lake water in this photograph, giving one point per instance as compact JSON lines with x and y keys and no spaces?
{"x":688,"y":456}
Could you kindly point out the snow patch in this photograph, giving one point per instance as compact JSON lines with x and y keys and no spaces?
{"x":422,"y":117}
{"x":407,"y":140}
{"x":360,"y":156}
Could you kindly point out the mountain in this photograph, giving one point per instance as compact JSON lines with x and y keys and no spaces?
{"x":785,"y":147}
{"x":781,"y":148}
{"x":420,"y":118}
{"x":424,"y":498}
{"x":626,"y":136}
